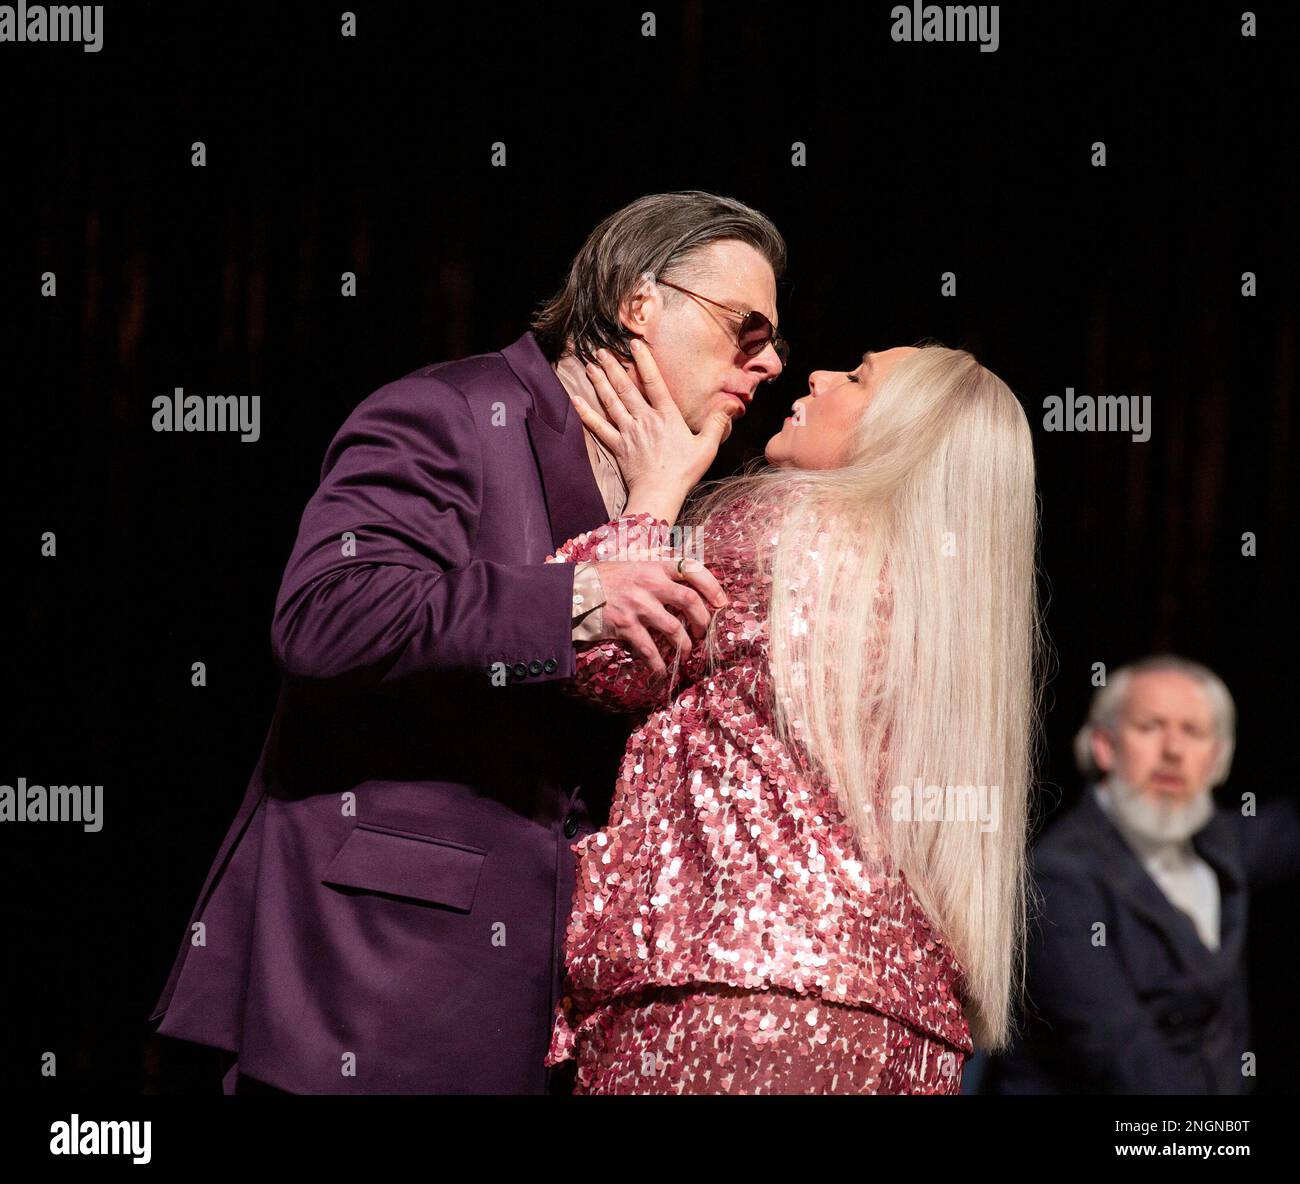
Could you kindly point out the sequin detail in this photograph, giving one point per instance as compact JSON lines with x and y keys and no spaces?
{"x":731,"y":1040}
{"x":727,"y":863}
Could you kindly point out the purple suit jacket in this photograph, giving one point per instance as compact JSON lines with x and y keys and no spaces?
{"x":387,"y":911}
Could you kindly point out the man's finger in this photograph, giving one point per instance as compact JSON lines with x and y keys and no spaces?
{"x":689,"y":602}
{"x":702,"y":580}
{"x":638,"y":641}
{"x":662,"y":621}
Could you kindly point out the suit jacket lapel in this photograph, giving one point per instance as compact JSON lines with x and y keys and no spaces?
{"x":573,"y":500}
{"x":1217,"y":845}
{"x":1123,"y":869}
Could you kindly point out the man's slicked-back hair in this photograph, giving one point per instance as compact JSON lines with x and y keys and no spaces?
{"x":658,"y":234}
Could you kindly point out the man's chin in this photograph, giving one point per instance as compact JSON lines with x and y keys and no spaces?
{"x":1162,"y":817}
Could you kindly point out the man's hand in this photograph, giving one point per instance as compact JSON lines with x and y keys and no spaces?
{"x":640,"y":597}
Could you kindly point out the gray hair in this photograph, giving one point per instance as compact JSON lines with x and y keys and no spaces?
{"x":1109,"y":701}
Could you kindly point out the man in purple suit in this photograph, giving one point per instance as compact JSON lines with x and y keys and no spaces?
{"x":387,"y":912}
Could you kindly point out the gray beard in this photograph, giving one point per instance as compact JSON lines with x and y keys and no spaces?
{"x":1159,"y":822}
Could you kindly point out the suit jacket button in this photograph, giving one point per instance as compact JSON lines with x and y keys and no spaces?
{"x":570,"y":827}
{"x":534,"y":667}
{"x":520,"y":670}
{"x":550,"y":665}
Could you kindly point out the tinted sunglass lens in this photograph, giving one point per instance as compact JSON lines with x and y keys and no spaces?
{"x":755,"y":333}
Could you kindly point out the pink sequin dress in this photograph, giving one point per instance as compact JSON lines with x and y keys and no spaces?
{"x":724,"y":936}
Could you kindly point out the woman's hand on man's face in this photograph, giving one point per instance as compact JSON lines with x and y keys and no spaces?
{"x":656,"y":450}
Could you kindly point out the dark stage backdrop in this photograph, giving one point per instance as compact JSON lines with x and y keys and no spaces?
{"x":373,"y":155}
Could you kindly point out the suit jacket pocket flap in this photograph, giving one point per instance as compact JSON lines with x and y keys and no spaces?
{"x":402,"y":864}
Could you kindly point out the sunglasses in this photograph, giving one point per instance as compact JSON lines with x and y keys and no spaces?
{"x":756,"y":332}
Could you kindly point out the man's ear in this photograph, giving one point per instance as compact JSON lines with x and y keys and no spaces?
{"x":643,"y":307}
{"x":1103,"y":750}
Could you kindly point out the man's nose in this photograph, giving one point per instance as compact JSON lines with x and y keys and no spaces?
{"x":1173,"y":743}
{"x":767,"y":363}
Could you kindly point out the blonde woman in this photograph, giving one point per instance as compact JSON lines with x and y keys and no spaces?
{"x":765,"y":913}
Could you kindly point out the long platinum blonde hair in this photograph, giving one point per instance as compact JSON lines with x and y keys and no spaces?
{"x":939,"y":679}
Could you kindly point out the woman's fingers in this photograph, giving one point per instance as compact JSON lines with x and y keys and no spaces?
{"x":615,"y":405}
{"x":656,"y":390}
{"x":597,"y":424}
{"x":621,"y":383}
{"x":716,"y":429}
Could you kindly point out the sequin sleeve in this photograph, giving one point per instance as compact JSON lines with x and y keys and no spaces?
{"x":633,"y":536}
{"x":609,"y":674}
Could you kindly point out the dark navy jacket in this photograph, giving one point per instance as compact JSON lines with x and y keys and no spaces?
{"x":1153,"y":1010}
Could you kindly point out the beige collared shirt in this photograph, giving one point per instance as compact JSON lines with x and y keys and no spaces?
{"x":588,"y":595}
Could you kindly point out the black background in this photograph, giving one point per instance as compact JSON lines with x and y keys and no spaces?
{"x":372,"y":155}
